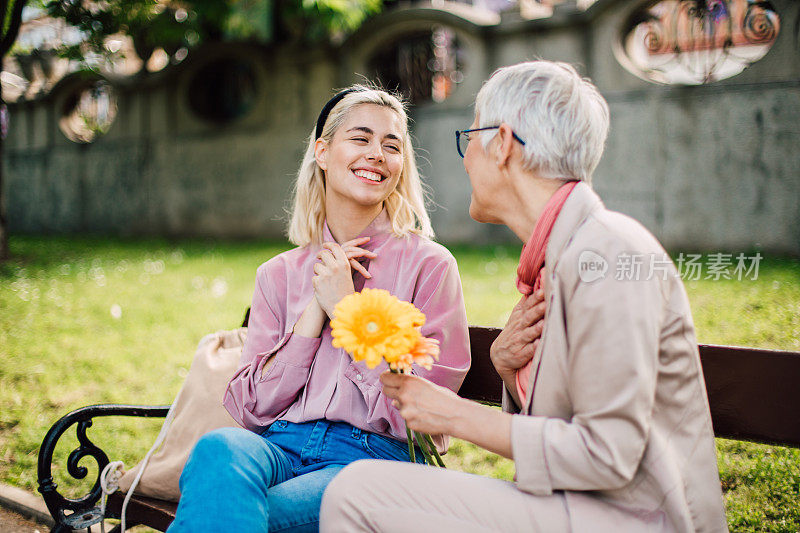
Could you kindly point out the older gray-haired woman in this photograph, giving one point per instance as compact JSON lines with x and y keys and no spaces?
{"x":605,"y":411}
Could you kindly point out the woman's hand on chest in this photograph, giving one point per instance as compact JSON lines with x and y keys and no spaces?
{"x":517,"y":342}
{"x":333,"y":276}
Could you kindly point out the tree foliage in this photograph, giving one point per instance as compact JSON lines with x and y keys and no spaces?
{"x":175,"y":24}
{"x":11,"y":17}
{"x":10,"y":21}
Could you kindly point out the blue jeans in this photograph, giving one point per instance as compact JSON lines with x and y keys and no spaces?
{"x":237,"y":480}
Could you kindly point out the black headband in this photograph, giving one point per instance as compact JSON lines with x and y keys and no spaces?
{"x":323,"y":115}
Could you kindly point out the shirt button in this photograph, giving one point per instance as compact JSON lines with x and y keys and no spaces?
{"x":359,"y":377}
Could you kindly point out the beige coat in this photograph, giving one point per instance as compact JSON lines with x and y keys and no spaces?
{"x":620,"y":414}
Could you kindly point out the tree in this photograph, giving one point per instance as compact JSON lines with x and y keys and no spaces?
{"x":176,"y":24}
{"x":11,"y":18}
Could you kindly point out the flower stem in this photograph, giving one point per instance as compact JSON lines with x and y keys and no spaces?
{"x":434,"y":451}
{"x":410,"y":445}
{"x":422,"y":446}
{"x":409,"y":438}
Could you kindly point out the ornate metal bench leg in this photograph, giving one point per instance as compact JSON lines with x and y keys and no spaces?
{"x":83,"y":512}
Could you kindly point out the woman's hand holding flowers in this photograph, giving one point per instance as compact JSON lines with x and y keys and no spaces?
{"x":425,"y":406}
{"x":430,"y":409}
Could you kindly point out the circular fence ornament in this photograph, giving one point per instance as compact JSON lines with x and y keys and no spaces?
{"x":692,"y":42}
{"x":426,"y":65}
{"x":89,"y":111}
{"x":223,"y":90}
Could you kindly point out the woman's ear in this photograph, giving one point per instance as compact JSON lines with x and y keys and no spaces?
{"x":321,"y":153}
{"x":505,"y":144}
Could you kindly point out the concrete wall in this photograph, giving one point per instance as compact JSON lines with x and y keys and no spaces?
{"x":713,"y":167}
{"x":160,"y":169}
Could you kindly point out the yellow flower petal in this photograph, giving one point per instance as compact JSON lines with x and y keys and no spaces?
{"x":373,"y":325}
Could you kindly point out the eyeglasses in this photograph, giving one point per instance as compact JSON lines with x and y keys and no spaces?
{"x":462,"y":138}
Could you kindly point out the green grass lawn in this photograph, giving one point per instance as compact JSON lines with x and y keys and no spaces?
{"x":92,"y":320}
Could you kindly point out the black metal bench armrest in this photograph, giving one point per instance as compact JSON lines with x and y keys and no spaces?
{"x":84,"y":510}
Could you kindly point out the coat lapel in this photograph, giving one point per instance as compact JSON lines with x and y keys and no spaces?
{"x":580,"y":203}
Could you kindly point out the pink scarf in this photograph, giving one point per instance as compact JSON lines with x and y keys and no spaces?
{"x":529,"y":272}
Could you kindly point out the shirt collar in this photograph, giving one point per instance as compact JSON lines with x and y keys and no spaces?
{"x":378,"y":231}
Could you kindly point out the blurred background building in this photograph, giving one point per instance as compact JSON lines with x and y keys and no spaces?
{"x":205,"y":140}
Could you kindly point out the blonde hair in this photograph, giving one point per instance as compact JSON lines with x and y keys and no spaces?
{"x":405,"y":205}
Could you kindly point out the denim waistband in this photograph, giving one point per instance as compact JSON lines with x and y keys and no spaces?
{"x":333,"y":441}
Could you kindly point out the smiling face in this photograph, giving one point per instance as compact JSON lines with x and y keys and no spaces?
{"x":364,"y":159}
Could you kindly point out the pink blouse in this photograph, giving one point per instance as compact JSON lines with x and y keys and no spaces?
{"x":309,"y":378}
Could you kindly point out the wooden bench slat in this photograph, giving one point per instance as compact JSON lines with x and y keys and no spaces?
{"x":754,"y":394}
{"x":482,"y":383}
{"x":157,"y":514}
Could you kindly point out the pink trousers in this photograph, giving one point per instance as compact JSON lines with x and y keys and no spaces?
{"x":388,"y":496}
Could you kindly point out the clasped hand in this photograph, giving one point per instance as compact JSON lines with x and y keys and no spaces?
{"x":517,"y":342}
{"x":333,"y":278}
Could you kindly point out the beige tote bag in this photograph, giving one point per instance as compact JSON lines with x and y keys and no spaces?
{"x":197,"y":410}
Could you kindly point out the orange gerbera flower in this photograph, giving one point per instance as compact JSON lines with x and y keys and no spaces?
{"x":373,"y":325}
{"x":423,"y":353}
{"x":414,"y":315}
{"x":402,"y":363}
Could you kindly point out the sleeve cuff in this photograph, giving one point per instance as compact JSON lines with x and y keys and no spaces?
{"x":292,"y":350}
{"x":527,"y":445}
{"x":364,"y":378}
{"x":508,"y":404}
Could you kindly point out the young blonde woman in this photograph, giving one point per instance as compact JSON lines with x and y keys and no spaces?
{"x":359,"y":220}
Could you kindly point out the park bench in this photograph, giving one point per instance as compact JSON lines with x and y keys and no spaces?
{"x":754,"y":395}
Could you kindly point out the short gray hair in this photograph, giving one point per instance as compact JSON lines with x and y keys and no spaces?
{"x":562,"y":117}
